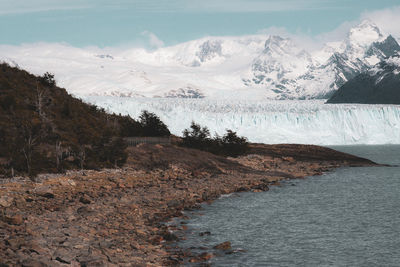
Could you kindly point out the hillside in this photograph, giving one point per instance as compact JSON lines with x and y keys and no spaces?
{"x":43,"y":128}
{"x":379,"y":85}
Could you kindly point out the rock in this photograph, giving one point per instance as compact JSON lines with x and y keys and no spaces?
{"x":84,"y":200}
{"x":33,"y":263}
{"x":6,"y":201}
{"x":262,"y":187}
{"x":63,"y":255}
{"x":242,"y":189}
{"x":168,"y":236}
{"x":157,"y":240}
{"x":204,"y":233}
{"x":84,"y":211}
{"x":224,"y":246}
{"x":68,"y":182}
{"x":202,"y":257}
{"x":15,"y":243}
{"x":174,"y":260}
{"x":44,"y":191}
{"x":173,"y":203}
{"x":93,"y":261}
{"x":62,"y":261}
{"x":14,"y":220}
{"x":289,"y":159}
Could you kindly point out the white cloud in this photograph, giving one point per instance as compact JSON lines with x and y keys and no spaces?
{"x":153,"y":40}
{"x":386,"y":19}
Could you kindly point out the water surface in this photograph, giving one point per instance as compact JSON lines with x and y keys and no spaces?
{"x":350,"y":217}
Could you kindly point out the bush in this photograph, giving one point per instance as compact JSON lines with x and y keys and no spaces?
{"x":229,"y":145}
{"x":233,"y":144}
{"x":152,"y":125}
{"x":197,"y":137}
{"x":48,"y":79}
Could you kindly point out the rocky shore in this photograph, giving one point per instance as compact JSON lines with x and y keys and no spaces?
{"x":117,"y":217}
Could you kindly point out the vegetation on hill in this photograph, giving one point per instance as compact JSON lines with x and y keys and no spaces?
{"x":228,"y":145}
{"x":44,"y":129}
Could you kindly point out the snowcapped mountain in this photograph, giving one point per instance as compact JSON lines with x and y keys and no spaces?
{"x":378,"y":85}
{"x":255,"y":66}
{"x":292,"y":73}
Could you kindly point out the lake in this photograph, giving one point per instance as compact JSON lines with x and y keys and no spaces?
{"x":349,"y":217}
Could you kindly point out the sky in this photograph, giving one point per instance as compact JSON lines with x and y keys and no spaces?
{"x":157,"y":23}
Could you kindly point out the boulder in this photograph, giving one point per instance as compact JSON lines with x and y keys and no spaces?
{"x":44,"y":191}
{"x":6,"y":201}
{"x":14,"y":220}
{"x":224,"y":246}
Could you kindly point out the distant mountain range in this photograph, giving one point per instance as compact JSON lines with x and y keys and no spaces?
{"x":256,"y":66}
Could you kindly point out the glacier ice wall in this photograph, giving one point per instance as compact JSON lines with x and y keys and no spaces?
{"x":305,"y":122}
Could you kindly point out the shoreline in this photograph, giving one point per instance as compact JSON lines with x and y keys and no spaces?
{"x":118,"y":217}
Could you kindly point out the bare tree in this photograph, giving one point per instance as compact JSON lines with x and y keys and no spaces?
{"x":30,"y":133}
{"x":31,"y":140}
{"x":82,"y":156}
{"x":40,"y":94}
{"x":59,"y":155}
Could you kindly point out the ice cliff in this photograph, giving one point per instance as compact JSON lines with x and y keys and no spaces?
{"x":306,"y":122}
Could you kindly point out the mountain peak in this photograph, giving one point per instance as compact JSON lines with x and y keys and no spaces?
{"x":387,"y":47}
{"x":278,"y":44}
{"x":365,"y":34}
{"x":209,"y":49}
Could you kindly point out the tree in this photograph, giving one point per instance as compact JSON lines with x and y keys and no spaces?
{"x":128,"y":126}
{"x":48,"y":79}
{"x":152,"y":125}
{"x":29,"y":135}
{"x":233,"y":144}
{"x":229,"y":145}
{"x":197,"y":137}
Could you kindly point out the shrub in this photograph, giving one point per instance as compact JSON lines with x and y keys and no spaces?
{"x":233,"y":144}
{"x":152,"y":125}
{"x":197,"y":137}
{"x":229,"y":145}
{"x":48,"y":79}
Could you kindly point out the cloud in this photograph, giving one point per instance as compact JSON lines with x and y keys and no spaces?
{"x":153,"y":40}
{"x":386,"y":19}
{"x":307,"y":41}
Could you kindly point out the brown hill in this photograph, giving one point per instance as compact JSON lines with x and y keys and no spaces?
{"x":44,"y":129}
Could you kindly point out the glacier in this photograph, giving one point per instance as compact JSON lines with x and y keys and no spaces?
{"x":270,"y":121}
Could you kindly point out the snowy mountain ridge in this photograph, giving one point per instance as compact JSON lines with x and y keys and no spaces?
{"x":255,"y":66}
{"x":379,"y":85}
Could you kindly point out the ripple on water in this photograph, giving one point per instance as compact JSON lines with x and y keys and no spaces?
{"x":350,"y":217}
